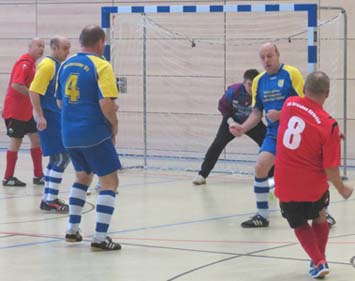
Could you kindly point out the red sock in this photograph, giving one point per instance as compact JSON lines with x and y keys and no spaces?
{"x":36,"y":154}
{"x":309,"y":242}
{"x":11,"y":159}
{"x":321,"y":230}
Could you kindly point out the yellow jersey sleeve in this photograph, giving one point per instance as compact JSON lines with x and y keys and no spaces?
{"x":106,"y":77}
{"x":296,"y":79}
{"x":44,"y":74}
{"x":254,"y":88}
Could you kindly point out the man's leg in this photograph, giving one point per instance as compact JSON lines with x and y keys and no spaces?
{"x":36,"y":154}
{"x":257,"y":134}
{"x":77,"y":199}
{"x":261,"y":189}
{"x":53,"y":179}
{"x":222,"y":138}
{"x":11,"y":159}
{"x":105,"y":206}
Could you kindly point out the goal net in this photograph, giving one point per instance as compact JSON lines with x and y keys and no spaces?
{"x":174,"y":67}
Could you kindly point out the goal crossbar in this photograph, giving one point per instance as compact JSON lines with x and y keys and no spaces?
{"x":310,"y":9}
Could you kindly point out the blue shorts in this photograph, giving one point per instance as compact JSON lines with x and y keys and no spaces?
{"x":101,"y":159}
{"x":51,"y":137}
{"x":269,"y":145}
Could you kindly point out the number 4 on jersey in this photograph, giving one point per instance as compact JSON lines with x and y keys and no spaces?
{"x":292,"y":136}
{"x":71,"y":89}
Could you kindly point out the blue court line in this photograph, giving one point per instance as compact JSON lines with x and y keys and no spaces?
{"x":29,"y":244}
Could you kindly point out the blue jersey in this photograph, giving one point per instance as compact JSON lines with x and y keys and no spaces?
{"x":271,"y":91}
{"x":44,"y":83}
{"x":83,"y":80}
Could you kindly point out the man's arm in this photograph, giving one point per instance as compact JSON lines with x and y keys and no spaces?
{"x":334,"y":176}
{"x":109,"y":109}
{"x":36,"y":104}
{"x":273,"y":115}
{"x":22,"y":89}
{"x":253,"y":119}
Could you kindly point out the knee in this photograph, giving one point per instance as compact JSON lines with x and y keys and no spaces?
{"x":84,"y":178}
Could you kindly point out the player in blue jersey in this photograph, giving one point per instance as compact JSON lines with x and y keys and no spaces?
{"x":235,"y":104}
{"x":86,"y":90}
{"x":270,"y":89}
{"x":47,"y":116}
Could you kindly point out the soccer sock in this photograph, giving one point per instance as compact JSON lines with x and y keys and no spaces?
{"x":105,"y":207}
{"x":54,"y":180}
{"x":46,"y":182}
{"x":308,"y":240}
{"x":36,"y":154}
{"x":261,"y":190}
{"x":77,"y":198}
{"x":11,"y":159}
{"x":321,"y":230}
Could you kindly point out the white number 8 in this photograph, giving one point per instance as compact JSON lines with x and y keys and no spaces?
{"x":292,"y":136}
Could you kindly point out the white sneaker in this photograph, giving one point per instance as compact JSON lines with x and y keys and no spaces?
{"x":199,"y":180}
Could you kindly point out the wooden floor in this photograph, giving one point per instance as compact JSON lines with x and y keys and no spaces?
{"x":169,"y":230}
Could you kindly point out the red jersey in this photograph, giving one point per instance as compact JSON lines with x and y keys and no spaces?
{"x":16,"y":105}
{"x":308,"y":141}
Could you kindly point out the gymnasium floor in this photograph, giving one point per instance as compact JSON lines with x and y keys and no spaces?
{"x":169,"y":230}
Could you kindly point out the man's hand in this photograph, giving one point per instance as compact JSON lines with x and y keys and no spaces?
{"x":236,"y":129}
{"x":41,"y":123}
{"x":346,"y":191}
{"x":273,"y":115}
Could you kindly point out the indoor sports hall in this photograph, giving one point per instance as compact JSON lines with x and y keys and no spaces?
{"x":173,"y":61}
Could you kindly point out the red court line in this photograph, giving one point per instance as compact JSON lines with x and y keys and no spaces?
{"x":38,"y":235}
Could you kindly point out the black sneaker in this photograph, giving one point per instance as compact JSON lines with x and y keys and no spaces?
{"x":38,"y":180}
{"x":13,"y":181}
{"x":106,"y":245}
{"x":76,"y":237}
{"x":256,"y":221}
{"x":331,"y":221}
{"x":56,"y":205}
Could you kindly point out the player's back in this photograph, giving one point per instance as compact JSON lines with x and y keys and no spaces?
{"x":83,"y":123}
{"x":306,"y":136}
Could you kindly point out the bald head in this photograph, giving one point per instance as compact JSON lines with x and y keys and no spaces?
{"x":36,"y":48}
{"x":60,"y":47}
{"x":270,"y":57}
{"x":317,"y":85}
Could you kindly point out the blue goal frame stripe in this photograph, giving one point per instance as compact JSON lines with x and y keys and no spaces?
{"x":311,"y":10}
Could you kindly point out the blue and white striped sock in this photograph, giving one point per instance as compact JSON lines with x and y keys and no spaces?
{"x":77,"y":200}
{"x":261,"y":190}
{"x":46,"y":183}
{"x":54,"y":179}
{"x":105,"y":207}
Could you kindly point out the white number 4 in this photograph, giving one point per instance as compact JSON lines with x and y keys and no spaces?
{"x":292,"y":136}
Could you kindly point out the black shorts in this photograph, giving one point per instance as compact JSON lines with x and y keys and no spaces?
{"x":297,"y":213}
{"x":18,"y":129}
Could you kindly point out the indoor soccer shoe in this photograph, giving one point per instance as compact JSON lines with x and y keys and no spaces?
{"x":38,"y":180}
{"x":56,"y":205}
{"x":13,"y":181}
{"x":199,"y":180}
{"x":256,"y":221}
{"x":311,"y":266}
{"x":320,"y":271}
{"x":76,"y":237}
{"x":106,"y":245}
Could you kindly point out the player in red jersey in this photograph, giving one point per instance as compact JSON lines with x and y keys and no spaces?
{"x":17,"y":113}
{"x":308,"y":155}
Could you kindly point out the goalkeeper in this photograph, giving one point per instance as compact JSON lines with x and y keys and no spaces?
{"x":235,"y":104}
